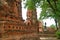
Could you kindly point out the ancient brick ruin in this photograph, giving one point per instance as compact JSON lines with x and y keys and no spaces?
{"x":12,"y":25}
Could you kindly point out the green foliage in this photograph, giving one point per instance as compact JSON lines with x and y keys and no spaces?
{"x":47,"y":11}
{"x":58,"y":34}
{"x":31,"y":4}
{"x":50,"y":8}
{"x":53,"y":26}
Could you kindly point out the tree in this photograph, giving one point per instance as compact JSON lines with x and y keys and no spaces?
{"x":32,"y":4}
{"x":51,"y":10}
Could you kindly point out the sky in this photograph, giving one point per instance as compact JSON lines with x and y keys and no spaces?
{"x":48,"y":21}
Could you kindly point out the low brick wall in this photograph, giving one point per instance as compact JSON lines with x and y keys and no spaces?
{"x":32,"y":36}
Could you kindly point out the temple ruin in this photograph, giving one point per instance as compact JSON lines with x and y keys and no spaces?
{"x":12,"y":25}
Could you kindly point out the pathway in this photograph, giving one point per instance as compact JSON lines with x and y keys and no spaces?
{"x":49,"y":38}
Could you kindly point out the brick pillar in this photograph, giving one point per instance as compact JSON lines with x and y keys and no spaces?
{"x":19,"y":6}
{"x":15,"y":6}
{"x":32,"y":15}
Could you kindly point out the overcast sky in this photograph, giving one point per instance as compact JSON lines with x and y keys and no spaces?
{"x":48,"y":21}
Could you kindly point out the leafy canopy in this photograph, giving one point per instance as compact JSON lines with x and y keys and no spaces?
{"x":31,"y":4}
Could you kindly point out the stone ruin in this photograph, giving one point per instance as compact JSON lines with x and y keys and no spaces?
{"x":12,"y":25}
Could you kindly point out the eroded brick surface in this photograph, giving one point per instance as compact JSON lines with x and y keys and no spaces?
{"x":12,"y":25}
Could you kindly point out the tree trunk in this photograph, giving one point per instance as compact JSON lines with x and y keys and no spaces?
{"x":56,"y":24}
{"x":59,"y":24}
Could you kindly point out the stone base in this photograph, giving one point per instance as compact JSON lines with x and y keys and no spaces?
{"x":30,"y":38}
{"x":21,"y":37}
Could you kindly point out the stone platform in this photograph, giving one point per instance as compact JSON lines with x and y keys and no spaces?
{"x":21,"y":37}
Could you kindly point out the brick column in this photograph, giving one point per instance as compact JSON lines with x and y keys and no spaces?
{"x":32,"y":15}
{"x":19,"y":6}
{"x":15,"y":6}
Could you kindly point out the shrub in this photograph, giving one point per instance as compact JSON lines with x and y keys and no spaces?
{"x":58,"y":34}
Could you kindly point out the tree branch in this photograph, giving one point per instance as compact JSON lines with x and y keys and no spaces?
{"x":51,"y":5}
